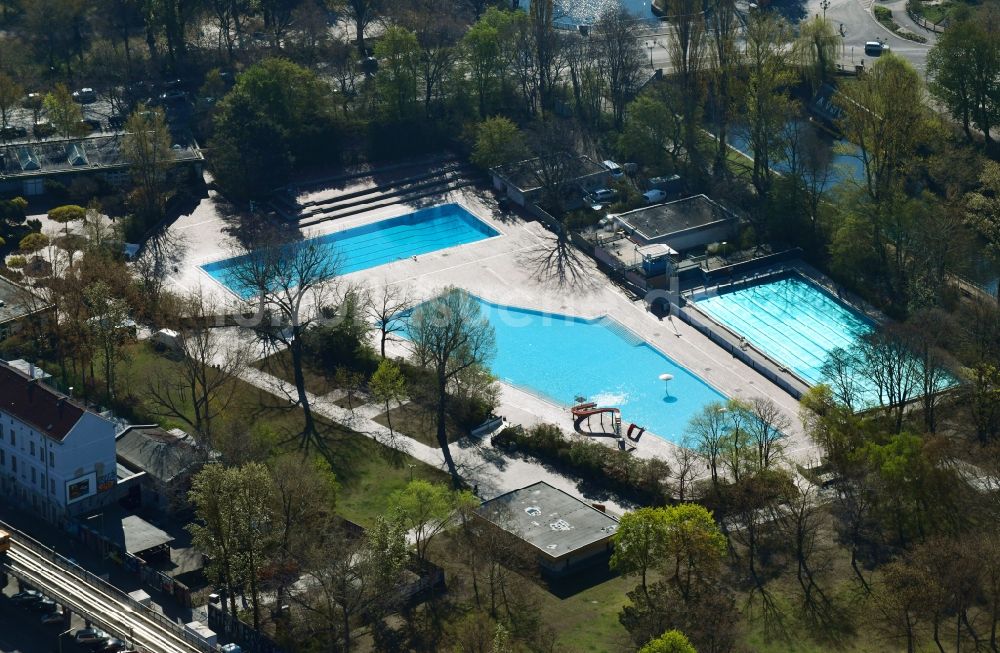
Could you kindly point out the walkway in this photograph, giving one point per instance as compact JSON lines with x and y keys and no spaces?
{"x":478,"y":462}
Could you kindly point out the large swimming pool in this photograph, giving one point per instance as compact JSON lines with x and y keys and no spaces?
{"x":421,"y":232}
{"x":791,"y":319}
{"x":561,"y":358}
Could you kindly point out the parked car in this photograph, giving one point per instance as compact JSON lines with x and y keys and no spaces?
{"x":44,"y":604}
{"x":116,"y":121}
{"x":173,"y":84}
{"x":13,"y":131}
{"x":43,"y":129}
{"x":173,"y":97}
{"x":85,"y":95}
{"x":603,"y":196}
{"x":91,"y":636}
{"x":32,"y":100}
{"x":616,"y":170}
{"x":54,"y":617}
{"x":112,"y":645}
{"x":654,"y":196}
{"x":27,"y":597}
{"x":92,"y":124}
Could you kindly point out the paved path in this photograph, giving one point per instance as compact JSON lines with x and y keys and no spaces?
{"x":478,"y":462}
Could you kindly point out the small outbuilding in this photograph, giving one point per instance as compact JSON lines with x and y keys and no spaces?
{"x":683,"y":224}
{"x":566,"y":533}
{"x":165,"y":460}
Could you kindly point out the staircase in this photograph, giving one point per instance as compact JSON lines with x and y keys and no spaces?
{"x":442,"y":179}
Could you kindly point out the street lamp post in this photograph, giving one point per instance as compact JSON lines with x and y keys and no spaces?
{"x":825,"y":4}
{"x":650,"y":45}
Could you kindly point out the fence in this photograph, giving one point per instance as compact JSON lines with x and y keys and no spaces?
{"x":107,"y":588}
{"x":937,"y":28}
{"x":717,"y":334}
{"x":245,"y":635}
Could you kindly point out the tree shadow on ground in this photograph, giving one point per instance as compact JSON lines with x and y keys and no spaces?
{"x":556,"y":260}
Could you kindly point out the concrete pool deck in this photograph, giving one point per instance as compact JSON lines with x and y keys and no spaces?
{"x":518,"y":268}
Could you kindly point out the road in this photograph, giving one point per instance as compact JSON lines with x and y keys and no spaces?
{"x":854,"y":16}
{"x":102,"y":604}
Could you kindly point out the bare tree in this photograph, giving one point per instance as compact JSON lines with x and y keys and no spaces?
{"x":285,"y":286}
{"x":450,"y":335}
{"x":894,"y":371}
{"x":687,"y":46}
{"x":616,"y":33}
{"x":707,"y":430}
{"x":802,"y":521}
{"x":357,"y":578}
{"x":725,"y":59}
{"x":388,"y":307}
{"x":768,"y":428}
{"x":204,"y":384}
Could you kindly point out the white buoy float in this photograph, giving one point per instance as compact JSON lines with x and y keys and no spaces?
{"x":666,"y":378}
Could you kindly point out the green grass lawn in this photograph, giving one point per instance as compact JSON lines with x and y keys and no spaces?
{"x":262,"y":425}
{"x":420,"y":423}
{"x":279,"y":364}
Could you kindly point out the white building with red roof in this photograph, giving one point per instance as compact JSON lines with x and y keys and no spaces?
{"x":57,"y":458}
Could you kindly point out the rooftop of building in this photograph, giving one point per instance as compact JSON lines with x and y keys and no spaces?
{"x":653,"y":222}
{"x":36,"y":404}
{"x":162,"y":454}
{"x":554,"y":522}
{"x":17,"y":302}
{"x":130,"y":532}
{"x":525,"y":175}
{"x":77,"y":154}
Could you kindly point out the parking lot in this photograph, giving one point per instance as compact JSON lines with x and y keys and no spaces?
{"x":22,"y":630}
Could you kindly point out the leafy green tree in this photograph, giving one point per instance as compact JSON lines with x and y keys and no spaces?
{"x":883,"y":114}
{"x":963,"y":70}
{"x":33,"y":243}
{"x":65,"y":114}
{"x":214,"y":531}
{"x":498,"y":141}
{"x":398,"y":54}
{"x":672,"y":641}
{"x":388,"y":385}
{"x":147,"y":147}
{"x":276,"y":108}
{"x":66,"y":214}
{"x":816,"y":49}
{"x":426,"y":509}
{"x":639,"y":543}
{"x":483,"y":55}
{"x":450,"y":334}
{"x":694,"y":547}
{"x":651,"y":134}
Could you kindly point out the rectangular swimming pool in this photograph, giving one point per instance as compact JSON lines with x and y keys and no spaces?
{"x":359,"y":248}
{"x":561,"y":358}
{"x":790,"y":319}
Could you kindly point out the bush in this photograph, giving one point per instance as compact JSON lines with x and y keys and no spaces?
{"x":637,"y":479}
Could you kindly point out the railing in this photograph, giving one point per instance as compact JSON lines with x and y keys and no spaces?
{"x":104,"y":586}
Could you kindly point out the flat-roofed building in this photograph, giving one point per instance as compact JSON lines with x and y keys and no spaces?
{"x":683,"y":224}
{"x":567,"y":534}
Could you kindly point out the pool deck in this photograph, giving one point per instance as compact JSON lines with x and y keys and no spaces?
{"x":518,"y":268}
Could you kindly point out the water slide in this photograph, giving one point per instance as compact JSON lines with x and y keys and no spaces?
{"x":585,"y":411}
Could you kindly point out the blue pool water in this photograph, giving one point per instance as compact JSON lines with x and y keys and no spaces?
{"x":792,"y":320}
{"x":421,"y":232}
{"x":562,"y":357}
{"x":844,"y":160}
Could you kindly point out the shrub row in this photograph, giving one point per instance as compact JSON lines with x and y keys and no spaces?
{"x":636,"y":479}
